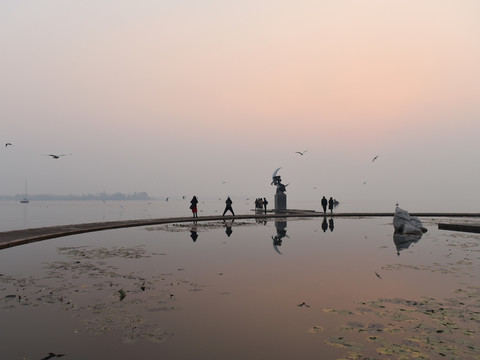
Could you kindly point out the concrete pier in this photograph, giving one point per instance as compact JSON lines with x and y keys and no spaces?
{"x":25,"y":236}
{"x":473,"y":228}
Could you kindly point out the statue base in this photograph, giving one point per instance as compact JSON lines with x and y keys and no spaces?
{"x":280,"y":202}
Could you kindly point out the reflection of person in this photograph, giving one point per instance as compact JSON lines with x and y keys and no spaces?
{"x":193,"y":233}
{"x":324,"y":224}
{"x":193,"y":206}
{"x":228,"y":228}
{"x":324,"y":204}
{"x":228,"y":206}
{"x":330,"y":224}
{"x":330,"y":204}
{"x":265,"y":203}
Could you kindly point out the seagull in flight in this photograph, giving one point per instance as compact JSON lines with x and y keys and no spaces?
{"x":303,"y":304}
{"x":54,"y":156}
{"x":375,"y":158}
{"x":8,"y":144}
{"x":300,"y":152}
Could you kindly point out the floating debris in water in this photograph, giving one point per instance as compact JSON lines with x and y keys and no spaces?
{"x":430,"y":327}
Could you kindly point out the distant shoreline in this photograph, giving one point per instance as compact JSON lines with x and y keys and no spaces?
{"x":84,"y":197}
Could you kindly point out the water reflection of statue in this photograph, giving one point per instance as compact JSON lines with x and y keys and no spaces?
{"x":281,"y":233}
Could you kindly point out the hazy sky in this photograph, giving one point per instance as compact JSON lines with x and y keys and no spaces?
{"x":175,"y":97}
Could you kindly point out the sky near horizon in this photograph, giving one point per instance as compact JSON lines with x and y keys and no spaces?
{"x":210,"y":97}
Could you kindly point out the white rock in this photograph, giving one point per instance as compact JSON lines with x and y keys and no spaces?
{"x":404,"y":223}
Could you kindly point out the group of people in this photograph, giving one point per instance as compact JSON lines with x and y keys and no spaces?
{"x":261,"y":204}
{"x":194,"y":202}
{"x":330,"y":203}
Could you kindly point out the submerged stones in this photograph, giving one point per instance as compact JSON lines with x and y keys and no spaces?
{"x":404,"y":223}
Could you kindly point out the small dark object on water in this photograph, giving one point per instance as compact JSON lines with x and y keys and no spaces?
{"x":378,"y":275}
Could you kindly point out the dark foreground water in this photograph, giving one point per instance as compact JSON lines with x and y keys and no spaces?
{"x":302,"y":289}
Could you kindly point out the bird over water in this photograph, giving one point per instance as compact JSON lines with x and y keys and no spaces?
{"x":54,"y":156}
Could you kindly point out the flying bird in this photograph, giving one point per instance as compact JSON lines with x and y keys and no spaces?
{"x":7,"y":144}
{"x":54,"y":156}
{"x":303,"y":304}
{"x":300,"y":152}
{"x":52,"y":355}
{"x":375,"y":158}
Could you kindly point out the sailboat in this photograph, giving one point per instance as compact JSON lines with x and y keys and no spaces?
{"x":25,"y":199}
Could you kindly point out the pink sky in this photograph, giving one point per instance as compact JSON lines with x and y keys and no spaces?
{"x":242,"y":84}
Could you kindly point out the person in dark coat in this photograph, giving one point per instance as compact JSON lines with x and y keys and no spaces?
{"x":228,"y":206}
{"x":330,"y":204}
{"x":193,"y":206}
{"x":324,"y":204}
{"x":265,"y":203}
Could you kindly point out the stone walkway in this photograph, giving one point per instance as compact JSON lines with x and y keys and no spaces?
{"x":25,"y":236}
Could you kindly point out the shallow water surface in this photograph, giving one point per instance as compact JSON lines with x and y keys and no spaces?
{"x":309,"y":289}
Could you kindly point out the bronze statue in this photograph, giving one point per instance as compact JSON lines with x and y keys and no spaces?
{"x":277,"y":181}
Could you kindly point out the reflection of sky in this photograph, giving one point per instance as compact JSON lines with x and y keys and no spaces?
{"x":240,"y":289}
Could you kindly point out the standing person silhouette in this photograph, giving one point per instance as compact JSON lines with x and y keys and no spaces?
{"x":265,"y":203}
{"x":324,"y":204}
{"x":193,"y":206}
{"x":228,"y":206}
{"x":330,"y":205}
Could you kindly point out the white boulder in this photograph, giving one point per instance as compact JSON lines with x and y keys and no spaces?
{"x":404,"y":223}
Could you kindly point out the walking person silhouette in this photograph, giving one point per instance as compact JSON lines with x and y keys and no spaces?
{"x":330,"y":205}
{"x":324,"y":204}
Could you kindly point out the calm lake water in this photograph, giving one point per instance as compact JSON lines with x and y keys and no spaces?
{"x":244,"y":290}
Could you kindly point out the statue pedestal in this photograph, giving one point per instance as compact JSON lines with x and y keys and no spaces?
{"x":280,"y":202}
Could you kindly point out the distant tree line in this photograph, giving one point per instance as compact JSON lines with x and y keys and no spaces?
{"x":102,"y":196}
